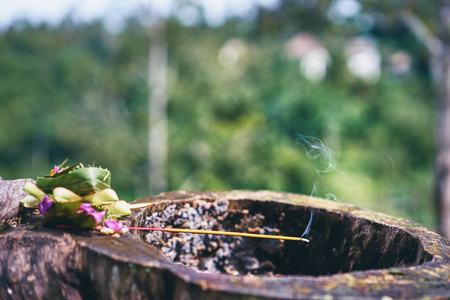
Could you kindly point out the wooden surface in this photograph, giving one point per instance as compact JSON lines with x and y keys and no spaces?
{"x":379,"y":255}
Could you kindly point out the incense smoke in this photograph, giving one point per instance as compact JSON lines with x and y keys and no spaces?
{"x":315,"y":150}
{"x":308,"y":228}
{"x":323,"y":163}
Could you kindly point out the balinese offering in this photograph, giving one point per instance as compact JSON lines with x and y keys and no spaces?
{"x":82,"y":197}
{"x":78,"y":196}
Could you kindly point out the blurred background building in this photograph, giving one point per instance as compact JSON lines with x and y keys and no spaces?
{"x":314,"y":58}
{"x":363,"y":59}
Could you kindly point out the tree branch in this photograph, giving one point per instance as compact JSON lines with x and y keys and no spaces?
{"x":423,"y":34}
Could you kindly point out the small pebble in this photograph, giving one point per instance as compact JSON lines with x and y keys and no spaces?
{"x":254,"y":230}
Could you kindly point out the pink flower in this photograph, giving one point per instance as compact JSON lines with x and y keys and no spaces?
{"x":87,"y":210}
{"x":113,"y":225}
{"x":98,"y":216}
{"x":55,"y":170}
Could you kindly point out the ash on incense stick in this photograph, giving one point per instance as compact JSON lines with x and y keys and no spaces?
{"x":215,"y":253}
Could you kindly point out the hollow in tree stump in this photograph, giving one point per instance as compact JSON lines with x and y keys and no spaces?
{"x":353,"y":253}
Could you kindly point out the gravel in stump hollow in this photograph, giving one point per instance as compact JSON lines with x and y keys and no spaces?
{"x":215,"y":253}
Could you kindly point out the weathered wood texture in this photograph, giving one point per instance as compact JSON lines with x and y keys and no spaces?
{"x":10,"y":194}
{"x":365,"y":254}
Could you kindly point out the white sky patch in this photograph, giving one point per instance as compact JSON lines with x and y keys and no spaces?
{"x":347,"y":8}
{"x":343,"y":9}
{"x":215,"y":15}
{"x":268,"y":4}
{"x":113,"y":11}
{"x":88,"y":10}
{"x":35,"y":12}
{"x":188,"y":15}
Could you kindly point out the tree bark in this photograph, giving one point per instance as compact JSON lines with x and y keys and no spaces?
{"x":407,"y":260}
{"x":441,"y":70}
{"x":443,"y":142}
{"x":438,"y":48}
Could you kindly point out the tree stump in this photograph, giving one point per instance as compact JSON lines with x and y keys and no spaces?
{"x":353,"y":253}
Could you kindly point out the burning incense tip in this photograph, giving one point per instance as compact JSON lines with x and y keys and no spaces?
{"x":261,"y":236}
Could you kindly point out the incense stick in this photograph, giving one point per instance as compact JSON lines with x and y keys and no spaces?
{"x":263,"y":236}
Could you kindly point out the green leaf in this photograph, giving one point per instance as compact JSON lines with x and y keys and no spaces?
{"x":106,"y":195}
{"x":118,"y":209}
{"x":62,"y":195}
{"x":33,"y":190}
{"x":30,"y":202}
{"x":81,"y":181}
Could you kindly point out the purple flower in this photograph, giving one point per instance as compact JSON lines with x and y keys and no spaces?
{"x":113,"y":225}
{"x":86,"y":209}
{"x":98,"y":216}
{"x":45,"y":205}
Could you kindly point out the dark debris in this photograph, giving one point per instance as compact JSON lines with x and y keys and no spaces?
{"x":215,"y":253}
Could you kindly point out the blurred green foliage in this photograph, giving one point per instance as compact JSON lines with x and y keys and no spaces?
{"x":80,"y":92}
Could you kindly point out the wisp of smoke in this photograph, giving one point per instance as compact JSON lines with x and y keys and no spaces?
{"x":323,"y":163}
{"x":308,"y":228}
{"x":323,"y":156}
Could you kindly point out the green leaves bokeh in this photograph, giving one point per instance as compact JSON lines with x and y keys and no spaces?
{"x":80,"y":92}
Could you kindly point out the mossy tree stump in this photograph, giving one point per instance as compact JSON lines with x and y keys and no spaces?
{"x":353,"y":253}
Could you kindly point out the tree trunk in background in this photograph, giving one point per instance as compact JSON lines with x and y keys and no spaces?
{"x":157,"y":82}
{"x":443,"y":142}
{"x":439,"y":50}
{"x":441,"y":70}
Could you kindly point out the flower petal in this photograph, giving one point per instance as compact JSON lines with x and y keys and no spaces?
{"x":86,"y":209}
{"x":45,"y":205}
{"x":98,"y":216}
{"x":113,"y":225}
